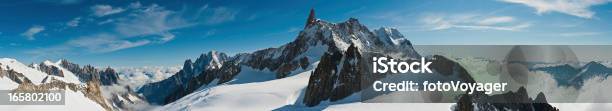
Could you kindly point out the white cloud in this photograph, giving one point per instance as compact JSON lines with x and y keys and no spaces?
{"x":496,"y":20}
{"x":579,"y":8}
{"x":74,"y":22}
{"x":138,"y":76}
{"x":579,"y":34}
{"x":504,"y":28}
{"x":50,"y":52}
{"x":151,"y":21}
{"x":104,"y":10}
{"x":221,"y":14}
{"x":135,"y":5}
{"x":101,"y":43}
{"x":33,"y":31}
{"x":209,"y":33}
{"x":472,"y":22}
{"x":106,"y":21}
{"x":142,"y":26}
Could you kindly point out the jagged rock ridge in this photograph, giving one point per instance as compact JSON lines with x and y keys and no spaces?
{"x":87,"y":73}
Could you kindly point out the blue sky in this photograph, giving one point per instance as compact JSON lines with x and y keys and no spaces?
{"x":165,"y":33}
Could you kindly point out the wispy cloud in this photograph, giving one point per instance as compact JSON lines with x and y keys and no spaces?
{"x":50,"y":52}
{"x":135,"y":5}
{"x":101,"y":43}
{"x":141,"y":25}
{"x":74,"y":22}
{"x":104,"y":10}
{"x":222,"y":14}
{"x":153,"y":20}
{"x":496,"y":20}
{"x":579,"y":34}
{"x":472,"y":22}
{"x":210,"y":33}
{"x":579,"y":8}
{"x":105,"y":21}
{"x":32,"y":31}
{"x":135,"y":25}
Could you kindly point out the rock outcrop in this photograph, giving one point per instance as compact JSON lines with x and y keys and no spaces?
{"x":14,"y":76}
{"x":337,"y":76}
{"x":87,"y":73}
{"x":514,"y":101}
{"x":51,"y":70}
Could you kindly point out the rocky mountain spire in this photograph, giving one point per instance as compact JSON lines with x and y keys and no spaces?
{"x":311,"y":18}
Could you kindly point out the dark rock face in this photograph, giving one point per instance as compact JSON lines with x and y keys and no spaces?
{"x":540,"y":104}
{"x":311,"y":18}
{"x":465,"y":103}
{"x":327,"y":82}
{"x":74,"y":68}
{"x":321,"y":82}
{"x":515,"y":101}
{"x":87,"y":73}
{"x":51,"y":70}
{"x":156,"y":92}
{"x":108,"y":76}
{"x":349,"y":79}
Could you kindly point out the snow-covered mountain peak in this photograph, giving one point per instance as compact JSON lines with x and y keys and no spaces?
{"x":215,"y":61}
{"x":391,"y":35}
{"x":7,"y":60}
{"x":51,"y":63}
{"x":47,"y":62}
{"x":210,"y":60}
{"x":12,"y":64}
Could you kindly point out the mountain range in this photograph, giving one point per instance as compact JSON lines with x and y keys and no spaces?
{"x":567,"y":75}
{"x":325,"y":64}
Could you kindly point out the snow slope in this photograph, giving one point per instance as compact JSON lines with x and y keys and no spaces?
{"x":7,"y":84}
{"x":266,"y":95}
{"x":34,"y":75}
